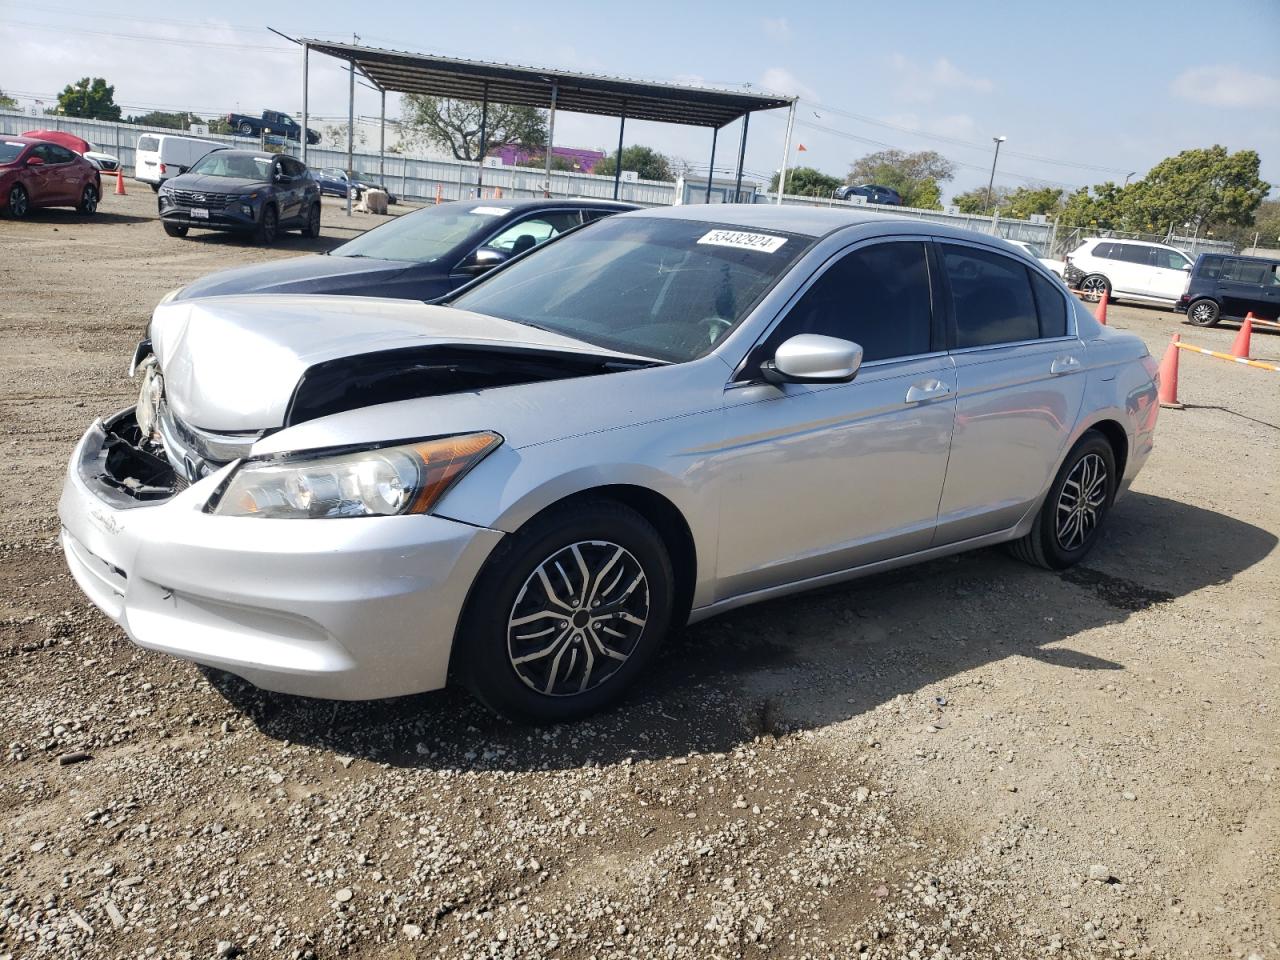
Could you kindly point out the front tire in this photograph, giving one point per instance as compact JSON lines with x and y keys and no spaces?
{"x":1094,"y":286}
{"x":19,"y":202}
{"x":176,"y":229}
{"x":268,"y":227}
{"x":1204,"y":313}
{"x":88,"y":201}
{"x":1068,"y":524}
{"x":312,"y":228}
{"x":566,"y":613}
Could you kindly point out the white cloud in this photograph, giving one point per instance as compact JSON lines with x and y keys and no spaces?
{"x":776,"y":28}
{"x":1226,"y":86}
{"x":782,"y":80}
{"x":924,"y":82}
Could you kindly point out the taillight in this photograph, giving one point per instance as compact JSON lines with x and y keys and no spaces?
{"x":162,"y":168}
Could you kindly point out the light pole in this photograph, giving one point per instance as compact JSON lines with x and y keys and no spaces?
{"x":992,"y":181}
{"x":1127,"y":176}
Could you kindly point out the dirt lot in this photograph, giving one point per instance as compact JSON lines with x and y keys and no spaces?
{"x":970,"y":758}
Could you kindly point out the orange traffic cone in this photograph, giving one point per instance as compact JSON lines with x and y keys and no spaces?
{"x":1169,"y":376}
{"x":120,"y":182}
{"x":1101,"y":313}
{"x":1241,"y":347}
{"x":439,"y":193}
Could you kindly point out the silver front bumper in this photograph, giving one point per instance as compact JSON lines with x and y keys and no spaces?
{"x":348,"y":609}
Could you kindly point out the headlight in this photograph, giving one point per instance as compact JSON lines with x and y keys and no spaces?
{"x":149,"y":396}
{"x":379,"y":482}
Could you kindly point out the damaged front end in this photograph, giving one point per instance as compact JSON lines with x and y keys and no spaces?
{"x":125,"y":466}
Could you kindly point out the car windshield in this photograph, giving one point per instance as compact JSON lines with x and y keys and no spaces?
{"x":9,"y":150}
{"x":238,"y":165}
{"x":667,"y":289}
{"x":425,"y":235}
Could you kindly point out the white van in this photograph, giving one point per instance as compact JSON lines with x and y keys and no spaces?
{"x":159,"y":156}
{"x":1129,"y":270}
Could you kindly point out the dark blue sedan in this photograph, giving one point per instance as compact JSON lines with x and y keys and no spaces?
{"x":334,"y":182}
{"x":417,"y":256}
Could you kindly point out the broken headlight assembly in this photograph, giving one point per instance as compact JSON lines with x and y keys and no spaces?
{"x":150,"y":395}
{"x":374,"y":482}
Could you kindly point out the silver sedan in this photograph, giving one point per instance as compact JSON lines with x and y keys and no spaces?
{"x":647,"y":422}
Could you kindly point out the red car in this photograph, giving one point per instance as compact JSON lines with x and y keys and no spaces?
{"x":37,"y":173}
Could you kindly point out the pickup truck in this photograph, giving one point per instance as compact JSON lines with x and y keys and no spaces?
{"x":271,"y":121}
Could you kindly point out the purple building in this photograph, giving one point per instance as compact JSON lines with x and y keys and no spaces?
{"x":514,"y":155}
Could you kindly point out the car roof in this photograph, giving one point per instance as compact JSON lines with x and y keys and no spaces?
{"x":1236,"y":256}
{"x":804,"y":220}
{"x":537,"y":203}
{"x":27,"y":141}
{"x":1136,"y":243}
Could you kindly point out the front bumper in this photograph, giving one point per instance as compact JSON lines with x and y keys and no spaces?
{"x":229,"y":217}
{"x":344,"y":609}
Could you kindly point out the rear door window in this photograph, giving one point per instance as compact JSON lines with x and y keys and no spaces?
{"x":1167,"y":259}
{"x":1050,"y":305}
{"x":1132,"y":253}
{"x":1246,"y":271}
{"x":1105,"y":251}
{"x":991,"y":296}
{"x":1211,"y":267}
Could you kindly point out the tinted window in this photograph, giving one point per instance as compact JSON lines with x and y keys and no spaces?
{"x":1246,"y":271}
{"x":1050,"y":305}
{"x":148,"y":143}
{"x":1105,"y":251}
{"x":664,"y":288}
{"x":878,"y":297}
{"x":992,"y":297}
{"x":1211,"y":267}
{"x":1131,"y":253}
{"x":1166,"y":259}
{"x":292,"y":167}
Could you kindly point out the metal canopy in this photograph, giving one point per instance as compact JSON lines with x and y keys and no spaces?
{"x":478,"y":80}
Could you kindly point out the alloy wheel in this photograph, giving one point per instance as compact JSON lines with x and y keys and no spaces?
{"x":1093,"y":287}
{"x":18,"y":202}
{"x":1203,"y":313}
{"x":89,"y":202}
{"x":1081,"y":502}
{"x":578,"y":618}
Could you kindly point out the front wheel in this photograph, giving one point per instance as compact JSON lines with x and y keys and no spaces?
{"x":176,"y":229}
{"x":88,"y":201}
{"x":1068,"y":523}
{"x":19,"y":202}
{"x":1203,"y":313}
{"x":312,"y":228}
{"x":1094,"y":286}
{"x":566,"y":613}
{"x":268,"y":227}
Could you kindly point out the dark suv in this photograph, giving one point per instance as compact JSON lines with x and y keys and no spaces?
{"x":871,"y":192}
{"x":245,"y":190}
{"x":1227,"y":287}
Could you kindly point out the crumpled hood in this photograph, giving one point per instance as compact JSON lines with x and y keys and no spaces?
{"x":310,"y":274}
{"x":231,"y":364}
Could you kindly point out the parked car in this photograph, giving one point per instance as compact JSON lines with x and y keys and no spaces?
{"x":161,"y":156}
{"x":273,"y":121}
{"x":335,"y":182}
{"x":871,"y":193}
{"x":242,"y":190}
{"x":1128,"y":270}
{"x":108,"y":163}
{"x":644,"y":423}
{"x":37,"y":173}
{"x":1056,"y":267}
{"x":1229,"y":287}
{"x":419,"y":256}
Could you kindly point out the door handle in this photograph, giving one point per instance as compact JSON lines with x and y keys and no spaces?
{"x":928,"y":390}
{"x":1064,"y":364}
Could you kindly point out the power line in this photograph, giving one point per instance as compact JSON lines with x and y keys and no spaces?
{"x":172,"y":41}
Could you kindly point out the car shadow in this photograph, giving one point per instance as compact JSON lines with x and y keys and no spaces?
{"x":283,"y":241}
{"x":60,"y":216}
{"x":806,"y":661}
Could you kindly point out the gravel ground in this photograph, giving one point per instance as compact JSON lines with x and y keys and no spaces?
{"x":970,"y":758}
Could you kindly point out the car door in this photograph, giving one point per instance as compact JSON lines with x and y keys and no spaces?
{"x":819,"y":478}
{"x":1241,"y":286}
{"x":44,"y":180}
{"x":1020,"y":381}
{"x":1129,"y":269}
{"x":286,"y":190}
{"x":1168,"y":274}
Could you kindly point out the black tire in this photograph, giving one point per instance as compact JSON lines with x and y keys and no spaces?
{"x":19,"y":202}
{"x":1094,"y":285}
{"x":88,"y":201}
{"x":176,"y":229}
{"x":1203,"y":313}
{"x":1044,"y":545}
{"x":268,"y":227}
{"x":246,"y":129}
{"x":312,"y":227}
{"x":489,"y":649}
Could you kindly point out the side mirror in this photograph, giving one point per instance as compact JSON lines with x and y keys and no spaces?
{"x":35,"y":161}
{"x":481,"y":261}
{"x":1186,"y":267}
{"x":813,"y":358}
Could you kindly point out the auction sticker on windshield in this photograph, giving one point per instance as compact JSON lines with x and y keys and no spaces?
{"x":489,"y":211}
{"x":743,"y":241}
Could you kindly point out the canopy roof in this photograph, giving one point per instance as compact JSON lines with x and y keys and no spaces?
{"x":402,"y":72}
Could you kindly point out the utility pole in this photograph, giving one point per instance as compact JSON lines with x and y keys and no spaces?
{"x":992,"y":181}
{"x":351,"y":125}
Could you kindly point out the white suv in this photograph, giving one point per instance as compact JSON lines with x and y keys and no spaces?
{"x":1129,"y":270}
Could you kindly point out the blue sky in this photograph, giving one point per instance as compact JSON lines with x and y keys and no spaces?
{"x":1084,"y":91}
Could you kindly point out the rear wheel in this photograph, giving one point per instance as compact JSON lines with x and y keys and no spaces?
{"x":19,"y":202}
{"x":312,"y":228}
{"x":246,"y":129}
{"x":88,"y":200}
{"x":1203,"y":313}
{"x":176,"y":229}
{"x":566,"y":613}
{"x":1094,"y":286}
{"x":1069,"y":522}
{"x":269,"y":226}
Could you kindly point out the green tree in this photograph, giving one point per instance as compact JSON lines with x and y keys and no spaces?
{"x":647,"y":162}
{"x":454,"y":125}
{"x":918,"y":177}
{"x":334,"y":136}
{"x":975,"y":201}
{"x":1197,"y":189}
{"x":7,"y":102}
{"x":91,"y":98}
{"x":1102,"y":206}
{"x":159,"y":118}
{"x":807,"y":182}
{"x":1026,"y":202}
{"x":220,"y":125}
